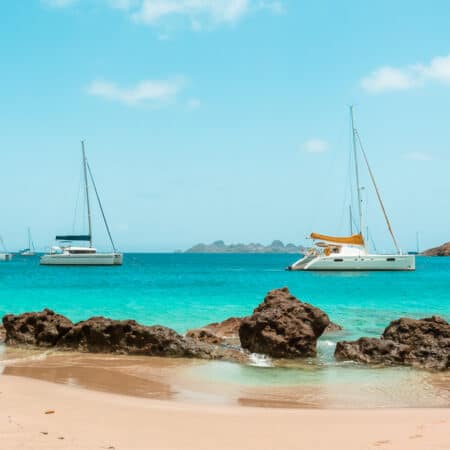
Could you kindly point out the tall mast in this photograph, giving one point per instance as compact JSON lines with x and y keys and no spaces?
{"x":355,"y":155}
{"x":350,"y":219}
{"x":87,"y":193}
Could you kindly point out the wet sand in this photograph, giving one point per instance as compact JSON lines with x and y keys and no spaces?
{"x":37,"y":414}
{"x":219,"y":383}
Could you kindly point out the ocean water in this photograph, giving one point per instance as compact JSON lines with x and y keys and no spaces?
{"x":183,"y":291}
{"x":189,"y":290}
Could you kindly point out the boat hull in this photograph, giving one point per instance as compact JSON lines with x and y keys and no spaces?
{"x":97,"y":259}
{"x":352,"y":263}
{"x":5,"y":256}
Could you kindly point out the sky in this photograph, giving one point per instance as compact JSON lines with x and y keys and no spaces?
{"x":223,"y":119}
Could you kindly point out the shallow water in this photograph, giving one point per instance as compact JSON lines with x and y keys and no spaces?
{"x":184,"y":291}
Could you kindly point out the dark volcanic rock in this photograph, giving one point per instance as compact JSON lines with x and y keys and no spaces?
{"x":283,"y":327}
{"x":103,"y":335}
{"x":421,"y":343}
{"x":218,"y":332}
{"x":2,"y":334}
{"x":43,"y":329}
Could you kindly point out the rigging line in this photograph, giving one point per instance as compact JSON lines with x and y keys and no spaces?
{"x":78,"y":200}
{"x":101,"y":207}
{"x":388,"y":222}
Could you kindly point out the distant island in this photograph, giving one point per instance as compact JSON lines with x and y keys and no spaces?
{"x":442,"y":250}
{"x":220,"y":247}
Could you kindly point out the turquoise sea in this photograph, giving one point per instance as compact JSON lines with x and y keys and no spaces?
{"x":183,"y":291}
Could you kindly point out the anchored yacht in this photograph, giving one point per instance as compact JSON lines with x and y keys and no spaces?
{"x":30,"y":250}
{"x":69,"y":255}
{"x":351,"y":252}
{"x":4,"y":255}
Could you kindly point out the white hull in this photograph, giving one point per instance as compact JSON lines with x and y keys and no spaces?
{"x":5,"y":256}
{"x":359,"y":263}
{"x":28,"y":254}
{"x":96,"y":259}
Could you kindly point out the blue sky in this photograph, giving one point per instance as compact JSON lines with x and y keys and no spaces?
{"x":223,"y":119}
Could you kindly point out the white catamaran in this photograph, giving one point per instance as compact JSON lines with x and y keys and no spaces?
{"x":30,"y":250}
{"x":351,"y":252}
{"x":70,"y":255}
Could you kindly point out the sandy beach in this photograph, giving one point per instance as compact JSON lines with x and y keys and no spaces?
{"x":85,"y":419}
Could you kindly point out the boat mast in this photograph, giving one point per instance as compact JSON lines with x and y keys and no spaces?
{"x":87,"y":193}
{"x":355,"y":155}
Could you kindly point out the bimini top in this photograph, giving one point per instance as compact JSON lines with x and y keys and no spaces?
{"x":74,"y":237}
{"x":356,"y":239}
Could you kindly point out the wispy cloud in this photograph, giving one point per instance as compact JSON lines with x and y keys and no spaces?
{"x":154,"y":92}
{"x":315,"y":145}
{"x":199,"y":14}
{"x":194,"y":103}
{"x":216,"y":11}
{"x":58,"y":3}
{"x":393,"y":78}
{"x":418,"y":156}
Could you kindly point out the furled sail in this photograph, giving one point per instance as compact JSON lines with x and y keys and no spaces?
{"x":356,"y":239}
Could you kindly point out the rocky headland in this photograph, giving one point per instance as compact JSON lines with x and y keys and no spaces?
{"x":220,"y":247}
{"x":442,"y":250}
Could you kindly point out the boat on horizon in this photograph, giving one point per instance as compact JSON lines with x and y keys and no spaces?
{"x":30,"y":250}
{"x":351,"y":253}
{"x":4,"y":255}
{"x":69,"y":255}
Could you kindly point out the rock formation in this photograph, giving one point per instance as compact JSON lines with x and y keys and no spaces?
{"x":220,"y":247}
{"x":442,"y":250}
{"x":103,"y":335}
{"x":218,"y":332}
{"x":283,"y":327}
{"x":421,"y":343}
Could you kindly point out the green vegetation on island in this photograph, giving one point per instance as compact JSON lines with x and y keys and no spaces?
{"x":220,"y":247}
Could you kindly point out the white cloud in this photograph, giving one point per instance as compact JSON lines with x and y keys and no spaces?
{"x":315,"y":146}
{"x":199,"y":14}
{"x":392,"y":78}
{"x":156,"y":92}
{"x":217,"y":11}
{"x":388,"y":78}
{"x":418,"y":156}
{"x":58,"y":3}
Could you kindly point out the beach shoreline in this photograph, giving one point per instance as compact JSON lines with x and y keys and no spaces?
{"x":81,"y":418}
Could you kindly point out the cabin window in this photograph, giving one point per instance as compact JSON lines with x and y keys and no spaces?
{"x":390,"y":259}
{"x":338,"y":260}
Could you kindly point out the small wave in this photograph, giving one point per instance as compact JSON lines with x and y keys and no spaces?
{"x":259,"y":360}
{"x":326,"y":343}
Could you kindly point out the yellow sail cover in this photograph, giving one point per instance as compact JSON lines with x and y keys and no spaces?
{"x":356,"y":239}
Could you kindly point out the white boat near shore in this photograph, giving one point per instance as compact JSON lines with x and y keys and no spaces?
{"x":331,"y":253}
{"x":66,"y":254}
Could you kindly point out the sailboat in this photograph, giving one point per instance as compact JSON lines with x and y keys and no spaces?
{"x":351,"y":252}
{"x":67,"y":254}
{"x":5,"y":255}
{"x":30,"y":250}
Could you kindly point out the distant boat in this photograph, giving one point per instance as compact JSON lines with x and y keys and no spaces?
{"x":67,"y":254}
{"x":416,"y":252}
{"x":351,"y":252}
{"x":30,"y":250}
{"x":5,"y":255}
